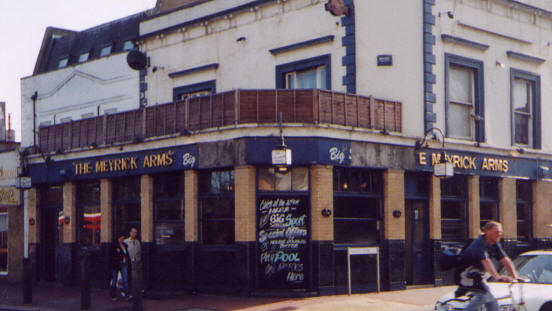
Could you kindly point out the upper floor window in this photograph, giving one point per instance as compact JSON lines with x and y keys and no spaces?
{"x":305,"y":74}
{"x":83,"y":57}
{"x":525,"y":97}
{"x":464,"y":98}
{"x":105,"y":51}
{"x":128,"y":45}
{"x":194,"y":90}
{"x":63,"y":62}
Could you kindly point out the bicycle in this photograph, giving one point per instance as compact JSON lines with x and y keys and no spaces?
{"x":509,"y":302}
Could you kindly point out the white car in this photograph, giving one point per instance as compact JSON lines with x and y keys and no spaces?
{"x":536,"y":292}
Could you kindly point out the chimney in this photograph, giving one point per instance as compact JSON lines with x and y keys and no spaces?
{"x":10,"y":133}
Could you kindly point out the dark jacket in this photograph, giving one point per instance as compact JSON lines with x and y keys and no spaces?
{"x":117,"y":255}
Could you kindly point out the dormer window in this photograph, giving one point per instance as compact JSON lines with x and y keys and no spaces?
{"x":63,"y":62}
{"x":105,"y":51}
{"x":83,"y":57}
{"x":128,"y":45}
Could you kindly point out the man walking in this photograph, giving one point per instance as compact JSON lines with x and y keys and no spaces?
{"x":135,"y":254}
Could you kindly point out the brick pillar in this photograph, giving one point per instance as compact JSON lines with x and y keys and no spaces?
{"x":542,"y":217}
{"x":146,"y":203}
{"x":322,"y":228}
{"x":245,"y":226}
{"x":191,"y":206}
{"x":474,"y":209}
{"x":435,"y":208}
{"x":146,"y":219}
{"x":106,"y":208}
{"x":69,"y":210}
{"x":394,"y":201}
{"x":394,"y":230}
{"x":245,"y":203}
{"x":507,"y":207}
{"x":67,"y":251}
{"x":15,"y":243}
{"x":435,"y":233}
{"x":322,"y":198}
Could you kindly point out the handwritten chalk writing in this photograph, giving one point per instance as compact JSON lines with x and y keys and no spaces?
{"x":294,"y":277}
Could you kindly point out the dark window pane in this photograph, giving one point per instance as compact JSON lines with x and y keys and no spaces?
{"x":454,"y":187}
{"x":89,"y":213}
{"x":524,"y":191}
{"x":169,"y":185}
{"x":354,"y":207}
{"x":167,"y":233}
{"x":216,"y":181}
{"x":452,"y":209}
{"x":51,"y":196}
{"x":169,"y":210}
{"x":522,"y":129}
{"x":355,"y":231}
{"x":216,"y":208}
{"x":453,"y":230}
{"x":218,"y":232}
{"x":488,"y":188}
{"x":357,"y":180}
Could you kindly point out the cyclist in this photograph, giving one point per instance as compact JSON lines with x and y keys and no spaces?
{"x":476,"y":260}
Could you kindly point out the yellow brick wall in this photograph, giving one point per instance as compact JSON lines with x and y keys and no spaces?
{"x":321,"y":186}
{"x":146,"y":203}
{"x":435,"y":208}
{"x":106,"y":208}
{"x":542,"y":212}
{"x":69,"y":210}
{"x":393,"y":181}
{"x":32,"y":201}
{"x":191,"y":207}
{"x":244,"y":202}
{"x":474,"y":210}
{"x":507,"y":207}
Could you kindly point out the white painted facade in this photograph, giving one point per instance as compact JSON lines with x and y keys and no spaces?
{"x":382,"y":27}
{"x":503,"y":27}
{"x":88,"y":89}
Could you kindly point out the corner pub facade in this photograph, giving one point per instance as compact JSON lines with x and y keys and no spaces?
{"x":363,"y":109}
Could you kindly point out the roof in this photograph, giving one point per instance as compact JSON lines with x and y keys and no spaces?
{"x":59,"y":43}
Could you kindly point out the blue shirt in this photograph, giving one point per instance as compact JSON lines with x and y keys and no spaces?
{"x":479,"y":250}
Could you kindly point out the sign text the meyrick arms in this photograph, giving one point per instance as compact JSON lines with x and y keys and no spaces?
{"x":466,"y":162}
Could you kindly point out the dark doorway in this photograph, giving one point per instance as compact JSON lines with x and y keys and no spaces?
{"x":49,"y":239}
{"x":418,"y":258}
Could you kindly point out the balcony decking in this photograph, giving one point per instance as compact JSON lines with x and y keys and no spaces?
{"x":230,"y":108}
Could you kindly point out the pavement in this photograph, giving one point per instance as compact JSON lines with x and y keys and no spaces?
{"x":50,"y":297}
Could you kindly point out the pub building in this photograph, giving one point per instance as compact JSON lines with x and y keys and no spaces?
{"x":264,"y":162}
{"x":220,"y":217}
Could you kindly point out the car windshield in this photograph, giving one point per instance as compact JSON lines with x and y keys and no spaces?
{"x":537,"y":268}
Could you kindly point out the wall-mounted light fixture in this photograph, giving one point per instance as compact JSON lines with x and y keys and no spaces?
{"x":500,"y":64}
{"x":542,"y":171}
{"x":443,"y":168}
{"x":326,"y":212}
{"x":32,"y":221}
{"x":66,"y":220}
{"x":240,"y":39}
{"x":397,"y":213}
{"x":449,"y":14}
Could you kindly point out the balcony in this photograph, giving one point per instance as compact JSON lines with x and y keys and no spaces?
{"x":224,"y":109}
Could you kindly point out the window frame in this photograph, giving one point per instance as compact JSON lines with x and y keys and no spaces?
{"x":305,"y":64}
{"x":373,"y":192}
{"x":163,"y":197}
{"x":528,"y":203}
{"x":478,"y":118}
{"x":63,"y":58}
{"x":210,"y":86}
{"x":124,"y":49}
{"x":535,"y":107}
{"x":81,"y":204}
{"x":211,"y":195}
{"x":460,"y":198}
{"x":107,"y":45}
{"x":487,"y":195}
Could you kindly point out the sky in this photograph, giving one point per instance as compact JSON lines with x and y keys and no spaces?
{"x":22,"y":28}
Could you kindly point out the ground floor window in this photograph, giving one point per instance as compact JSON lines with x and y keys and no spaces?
{"x":3,"y":240}
{"x":524,"y":195}
{"x":488,"y":200}
{"x":126,"y":205}
{"x":89,"y":213}
{"x":169,"y":210}
{"x":357,"y":205}
{"x":216,"y":207}
{"x":454,"y":218}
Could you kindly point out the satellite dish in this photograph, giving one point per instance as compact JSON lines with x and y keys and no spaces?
{"x":137,"y":60}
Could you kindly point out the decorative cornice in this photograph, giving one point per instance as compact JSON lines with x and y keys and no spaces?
{"x":193,"y":70}
{"x":464,"y":42}
{"x":525,"y":57}
{"x":301,"y":45}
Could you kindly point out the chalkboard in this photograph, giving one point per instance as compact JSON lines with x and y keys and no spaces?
{"x":283,"y":239}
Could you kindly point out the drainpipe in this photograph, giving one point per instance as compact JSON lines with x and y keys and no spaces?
{"x":34,"y":98}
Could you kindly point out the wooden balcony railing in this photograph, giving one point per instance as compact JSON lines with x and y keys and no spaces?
{"x":224,"y":109}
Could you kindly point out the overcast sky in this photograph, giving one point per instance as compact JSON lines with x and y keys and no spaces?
{"x":22,"y":28}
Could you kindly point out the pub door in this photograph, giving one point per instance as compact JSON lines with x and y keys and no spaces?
{"x":418,"y":251}
{"x":49,"y":239}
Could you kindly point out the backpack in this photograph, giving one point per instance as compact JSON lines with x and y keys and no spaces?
{"x":450,"y":258}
